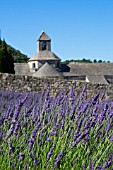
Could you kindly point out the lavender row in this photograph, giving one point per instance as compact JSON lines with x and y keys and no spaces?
{"x":61,"y":131}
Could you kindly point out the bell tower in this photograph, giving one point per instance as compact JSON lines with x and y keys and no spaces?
{"x":43,"y":42}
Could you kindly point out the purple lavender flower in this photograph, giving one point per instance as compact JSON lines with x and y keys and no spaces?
{"x":10,"y":132}
{"x":31,"y":143}
{"x":110,"y":115}
{"x":72,"y":101}
{"x":67,"y":111}
{"x":70,"y":94}
{"x":86,"y":139}
{"x":1,"y":135}
{"x":36,"y":161}
{"x":14,"y":165}
{"x":94,"y":101}
{"x":79,"y":125}
{"x":34,"y":133}
{"x":83,"y":91}
{"x":84,"y":108}
{"x":112,"y":139}
{"x":16,"y":127}
{"x":16,"y":113}
{"x":11,"y":148}
{"x":103,"y":94}
{"x":25,"y":134}
{"x":48,"y":139}
{"x":40,"y":142}
{"x":72,"y":144}
{"x":94,"y":111}
{"x":18,"y":135}
{"x":51,"y":133}
{"x":62,"y":125}
{"x":108,"y":127}
{"x":107,"y":165}
{"x":79,"y":138}
{"x":57,"y":124}
{"x":99,"y":166}
{"x":38,"y":126}
{"x":21,"y":156}
{"x":100,"y":118}
{"x":87,"y":125}
{"x":92,"y":166}
{"x":58,"y":159}
{"x":76,"y":136}
{"x":54,"y":128}
{"x":106,"y":108}
{"x":49,"y":154}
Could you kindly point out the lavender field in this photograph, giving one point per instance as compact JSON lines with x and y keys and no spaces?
{"x":59,"y":131}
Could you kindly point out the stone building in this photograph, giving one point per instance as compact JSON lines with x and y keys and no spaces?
{"x":47,"y":64}
{"x":44,"y":54}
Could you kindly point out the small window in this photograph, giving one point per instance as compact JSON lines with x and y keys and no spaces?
{"x":43,"y":45}
{"x":33,"y":65}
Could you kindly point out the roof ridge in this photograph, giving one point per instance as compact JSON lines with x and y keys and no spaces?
{"x":43,"y":36}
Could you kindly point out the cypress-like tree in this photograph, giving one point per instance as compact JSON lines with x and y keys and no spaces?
{"x":1,"y":57}
{"x":6,"y":59}
{"x":1,"y":61}
{"x":0,"y":43}
{"x":10,"y":63}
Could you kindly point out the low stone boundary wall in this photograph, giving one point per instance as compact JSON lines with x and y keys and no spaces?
{"x":35,"y":84}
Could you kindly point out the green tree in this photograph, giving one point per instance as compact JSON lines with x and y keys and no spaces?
{"x":95,"y":61}
{"x":6,"y":60}
{"x":100,"y":61}
{"x":0,"y":43}
{"x":10,"y":63}
{"x":1,"y":59}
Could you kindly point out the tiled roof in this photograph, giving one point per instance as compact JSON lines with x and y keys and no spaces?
{"x":91,"y":68}
{"x":22,"y":69}
{"x":47,"y":71}
{"x":44,"y":55}
{"x":44,"y":36}
{"x":96,"y":79}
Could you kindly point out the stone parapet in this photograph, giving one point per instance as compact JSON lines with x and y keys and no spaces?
{"x":35,"y":84}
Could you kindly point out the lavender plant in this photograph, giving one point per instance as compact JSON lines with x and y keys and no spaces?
{"x":62,"y":131}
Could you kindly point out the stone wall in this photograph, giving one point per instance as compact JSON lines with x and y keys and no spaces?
{"x":29,"y":83}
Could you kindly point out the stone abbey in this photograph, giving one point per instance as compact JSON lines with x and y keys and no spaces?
{"x":46,"y":64}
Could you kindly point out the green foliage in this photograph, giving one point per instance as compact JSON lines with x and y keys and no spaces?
{"x":95,"y":61}
{"x":6,"y":59}
{"x":83,"y":61}
{"x":77,"y":61}
{"x":100,"y":61}
{"x":9,"y":56}
{"x":17,"y":55}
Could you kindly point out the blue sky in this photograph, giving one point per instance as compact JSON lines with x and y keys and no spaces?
{"x":78,"y":28}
